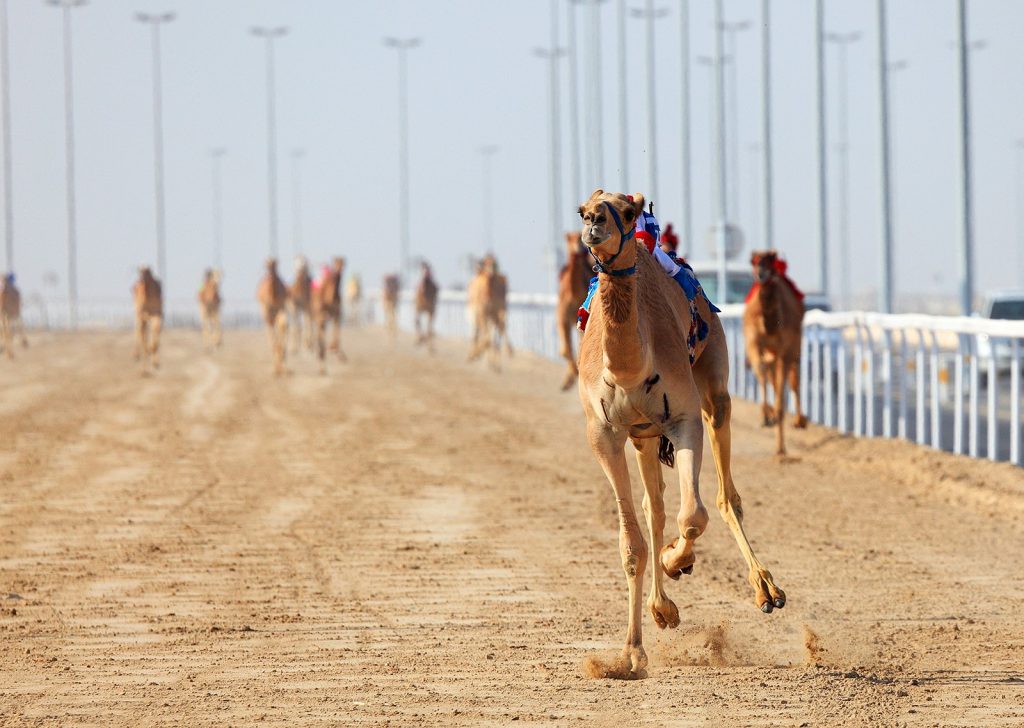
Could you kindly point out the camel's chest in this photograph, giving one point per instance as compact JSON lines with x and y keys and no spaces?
{"x":641,"y":411}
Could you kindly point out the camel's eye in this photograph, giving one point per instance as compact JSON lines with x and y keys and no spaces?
{"x":599,"y":219}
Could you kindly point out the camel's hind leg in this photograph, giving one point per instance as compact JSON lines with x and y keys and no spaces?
{"x":687,"y":436}
{"x":779,"y":382}
{"x":297,"y":330}
{"x":565,"y":350}
{"x":608,"y":446}
{"x":662,"y":608}
{"x":320,"y":336}
{"x":8,"y":339}
{"x":716,"y":405}
{"x":336,"y":337}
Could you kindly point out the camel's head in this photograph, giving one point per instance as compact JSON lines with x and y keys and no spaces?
{"x":489,"y":265}
{"x":145,"y":274}
{"x":574,"y":243}
{"x":272,"y":265}
{"x":338,"y":264}
{"x":424,"y":269}
{"x":608,"y":221}
{"x":765,"y":263}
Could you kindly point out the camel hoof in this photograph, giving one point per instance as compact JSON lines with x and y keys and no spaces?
{"x":666,"y":614}
{"x":675,"y":570}
{"x":800,"y":422}
{"x":766,"y":607}
{"x":687,"y":569}
{"x":780,"y":603}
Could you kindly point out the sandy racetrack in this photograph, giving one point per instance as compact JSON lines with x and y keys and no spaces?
{"x":414,"y":540}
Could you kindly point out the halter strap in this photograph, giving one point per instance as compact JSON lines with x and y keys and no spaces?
{"x":605,"y":267}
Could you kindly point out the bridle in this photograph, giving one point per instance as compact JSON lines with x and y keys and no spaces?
{"x":605,"y":267}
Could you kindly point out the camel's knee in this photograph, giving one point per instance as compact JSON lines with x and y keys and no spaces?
{"x":730,"y":503}
{"x":634,"y":554}
{"x":721,"y":409}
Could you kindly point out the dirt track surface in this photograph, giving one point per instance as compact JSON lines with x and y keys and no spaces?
{"x":414,"y":540}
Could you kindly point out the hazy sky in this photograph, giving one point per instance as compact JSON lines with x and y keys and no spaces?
{"x":474,"y":81}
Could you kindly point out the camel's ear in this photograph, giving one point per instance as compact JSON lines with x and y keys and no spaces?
{"x":755,"y":257}
{"x":597,"y":193}
{"x":580,"y":210}
{"x":636,"y":206}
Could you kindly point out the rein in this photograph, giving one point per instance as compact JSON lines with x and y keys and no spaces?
{"x":605,"y":267}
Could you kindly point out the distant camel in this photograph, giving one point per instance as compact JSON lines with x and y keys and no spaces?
{"x":10,"y":315}
{"x":326,"y":297}
{"x":209,"y":308}
{"x":149,"y":316}
{"x":573,"y":281}
{"x":390,"y":300}
{"x":426,"y":305}
{"x":301,"y":305}
{"x":354,"y":296}
{"x":273,"y":296}
{"x":488,"y":302}
{"x":772,"y":327}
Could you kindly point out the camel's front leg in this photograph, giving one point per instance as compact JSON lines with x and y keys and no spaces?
{"x":218,"y":334}
{"x":662,"y":608}
{"x":8,"y":340}
{"x":608,"y":446}
{"x":140,"y":339}
{"x":793,"y":372}
{"x":336,"y":337}
{"x":687,"y":435}
{"x":779,"y":382}
{"x":565,"y":349}
{"x":155,"y":328}
{"x":718,"y":416}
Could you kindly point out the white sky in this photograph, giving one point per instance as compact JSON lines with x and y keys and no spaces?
{"x":474,"y":81}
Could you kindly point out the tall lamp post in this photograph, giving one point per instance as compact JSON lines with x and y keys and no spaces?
{"x":8,"y":175}
{"x":766,"y":121}
{"x":819,"y":47}
{"x":297,"y":157}
{"x":649,"y":14}
{"x":885,"y":287}
{"x":487,"y":152}
{"x":69,"y":136}
{"x":685,"y":163}
{"x":269,"y":35}
{"x":967,"y":238}
{"x":732,"y":133}
{"x":216,"y":155}
{"x":1019,"y":145}
{"x":721,"y":229}
{"x":842,"y":41}
{"x":403,"y":46}
{"x":155,"y":21}
{"x":551,"y":56}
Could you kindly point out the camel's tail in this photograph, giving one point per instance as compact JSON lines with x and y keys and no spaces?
{"x":667,"y":452}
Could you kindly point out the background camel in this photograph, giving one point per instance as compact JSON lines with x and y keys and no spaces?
{"x":301,"y":305}
{"x":573,"y":281}
{"x":272,"y":296}
{"x":772,"y":327}
{"x":354,"y":296}
{"x":209,"y":308}
{"x":637,"y":382}
{"x":426,"y":305}
{"x":10,"y":315}
{"x":147,"y":295}
{"x":389,"y":296}
{"x":488,"y":302}
{"x":326,"y":297}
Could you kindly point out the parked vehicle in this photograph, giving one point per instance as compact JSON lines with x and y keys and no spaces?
{"x":1006,"y":306}
{"x":738,"y":280}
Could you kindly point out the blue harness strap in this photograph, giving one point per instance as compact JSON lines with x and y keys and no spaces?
{"x":605,"y":268}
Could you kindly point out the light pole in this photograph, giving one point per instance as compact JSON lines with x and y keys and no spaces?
{"x":594,"y":115}
{"x":551,"y":56}
{"x":8,"y":175}
{"x":885,"y":288}
{"x":819,"y":47}
{"x":270,"y":35}
{"x":403,"y":45}
{"x":576,"y":189}
{"x":842,"y":41}
{"x":650,"y":14}
{"x":487,"y":152}
{"x":766,"y":121}
{"x":732,"y":131}
{"x":296,"y":170}
{"x":216,"y":155}
{"x":685,"y":163}
{"x":623,"y":99}
{"x":894,"y":177}
{"x":155,"y":21}
{"x":1020,"y":208}
{"x":69,"y":136}
{"x":967,"y":238}
{"x":721,"y":231}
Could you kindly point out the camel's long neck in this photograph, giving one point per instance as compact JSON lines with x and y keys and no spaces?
{"x":770,"y":298}
{"x":623,"y":349}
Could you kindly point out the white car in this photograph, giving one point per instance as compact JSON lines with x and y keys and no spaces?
{"x":1007,"y":306}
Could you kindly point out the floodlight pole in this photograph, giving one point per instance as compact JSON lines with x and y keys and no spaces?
{"x":403,"y":45}
{"x":270,"y":35}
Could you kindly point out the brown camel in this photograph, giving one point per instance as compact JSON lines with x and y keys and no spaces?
{"x":149,"y":316}
{"x":209,"y":309}
{"x":488,"y":302}
{"x":772,"y":327}
{"x":573,"y":281}
{"x":426,"y":305}
{"x":10,"y":315}
{"x":326,"y":298}
{"x":390,"y":300}
{"x":300,"y":303}
{"x":273,"y":297}
{"x":637,"y":382}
